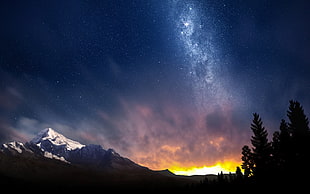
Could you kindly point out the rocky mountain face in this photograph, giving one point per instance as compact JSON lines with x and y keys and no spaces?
{"x":53,"y":145}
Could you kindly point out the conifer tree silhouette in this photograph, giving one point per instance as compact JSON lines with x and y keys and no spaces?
{"x":298,"y":127}
{"x":287,"y":156}
{"x":247,"y":161}
{"x":299,"y":123}
{"x":261,"y":147}
{"x":285,"y":148}
{"x":239,"y":175}
{"x":276,"y":155}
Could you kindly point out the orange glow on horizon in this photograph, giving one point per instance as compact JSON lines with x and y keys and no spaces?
{"x":225,"y":167}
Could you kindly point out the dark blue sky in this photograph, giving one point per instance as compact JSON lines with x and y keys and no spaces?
{"x":139,"y":75}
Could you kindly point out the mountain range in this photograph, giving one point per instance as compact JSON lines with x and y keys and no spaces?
{"x":50,"y":157}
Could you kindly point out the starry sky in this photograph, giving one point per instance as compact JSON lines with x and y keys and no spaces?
{"x":163,"y":82}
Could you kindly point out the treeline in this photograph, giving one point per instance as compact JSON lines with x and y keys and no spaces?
{"x":282,"y":162}
{"x":285,"y":159}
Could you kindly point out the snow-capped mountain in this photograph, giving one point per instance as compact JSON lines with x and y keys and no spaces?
{"x":52,"y":137}
{"x":54,"y":145}
{"x":51,"y":159}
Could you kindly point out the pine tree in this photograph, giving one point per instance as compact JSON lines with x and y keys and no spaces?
{"x":247,"y":164}
{"x":276,"y":144}
{"x":239,"y":175}
{"x":261,"y":147}
{"x":299,"y":123}
{"x":298,"y":127}
{"x":285,"y":148}
{"x":285,"y":135}
{"x":281,"y":152}
{"x":220,"y":178}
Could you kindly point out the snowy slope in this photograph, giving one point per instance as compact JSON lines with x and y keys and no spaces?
{"x":56,"y":139}
{"x":55,"y":145}
{"x":14,"y":146}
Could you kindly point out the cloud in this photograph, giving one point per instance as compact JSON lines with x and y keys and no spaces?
{"x":157,"y":134}
{"x":215,"y":121}
{"x":160,"y":136}
{"x":9,"y":133}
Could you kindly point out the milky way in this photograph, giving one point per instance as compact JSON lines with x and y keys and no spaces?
{"x":195,"y":31}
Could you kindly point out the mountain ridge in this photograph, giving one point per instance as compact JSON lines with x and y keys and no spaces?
{"x":54,"y":145}
{"x":52,"y":159}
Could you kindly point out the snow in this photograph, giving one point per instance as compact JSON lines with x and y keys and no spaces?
{"x":15,"y":146}
{"x":52,"y":156}
{"x":56,"y":139}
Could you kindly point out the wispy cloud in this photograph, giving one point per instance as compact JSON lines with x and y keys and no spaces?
{"x":164,"y":136}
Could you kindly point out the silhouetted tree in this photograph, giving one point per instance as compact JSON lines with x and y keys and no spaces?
{"x":261,"y":147}
{"x":287,"y":156}
{"x":247,"y":161}
{"x":284,"y":148}
{"x":276,"y":144}
{"x":299,"y":123}
{"x":298,"y":127}
{"x":221,"y":178}
{"x":281,"y":154}
{"x":239,"y":175}
{"x":285,"y":136}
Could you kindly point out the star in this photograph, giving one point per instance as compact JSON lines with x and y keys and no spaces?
{"x":186,"y":24}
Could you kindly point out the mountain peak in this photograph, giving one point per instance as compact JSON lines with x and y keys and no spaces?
{"x":49,"y":134}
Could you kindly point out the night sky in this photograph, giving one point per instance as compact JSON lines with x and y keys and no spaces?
{"x":163,"y":82}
